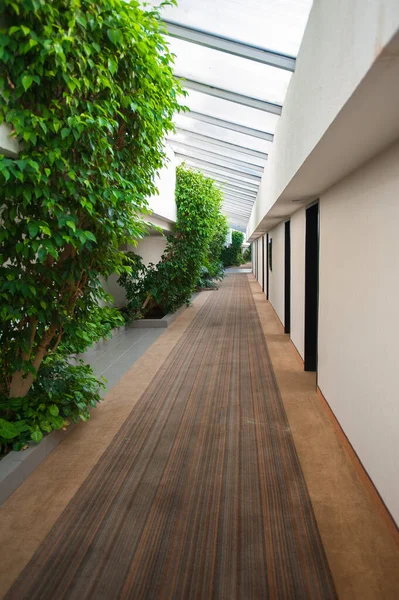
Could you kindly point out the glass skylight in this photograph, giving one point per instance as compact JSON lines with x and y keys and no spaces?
{"x":270,"y":24}
{"x":228,"y":72}
{"x":234,"y":90}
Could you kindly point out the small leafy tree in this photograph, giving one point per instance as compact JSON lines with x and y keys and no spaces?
{"x":171,"y":282}
{"x":88,"y":89}
{"x":232,"y":255}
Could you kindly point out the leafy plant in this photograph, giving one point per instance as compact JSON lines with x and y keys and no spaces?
{"x":246,"y":255}
{"x":232,"y":255}
{"x":206,"y":280}
{"x":171,"y":282}
{"x":61,"y":394}
{"x":88,"y":89}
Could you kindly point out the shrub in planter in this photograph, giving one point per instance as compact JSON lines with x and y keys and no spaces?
{"x":232,"y":255}
{"x":171,"y":282}
{"x":88,"y":89}
{"x":62,"y":393}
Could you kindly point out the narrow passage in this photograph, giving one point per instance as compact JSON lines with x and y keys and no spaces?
{"x":200,"y":494}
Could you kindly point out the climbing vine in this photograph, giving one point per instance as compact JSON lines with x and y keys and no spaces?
{"x":199,"y":229}
{"x":88,"y":90}
{"x":232,"y":254}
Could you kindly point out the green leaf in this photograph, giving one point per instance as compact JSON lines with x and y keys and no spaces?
{"x":37,"y":436}
{"x":33,"y":229}
{"x":115,"y":36}
{"x":27,"y":81}
{"x":8,"y":431}
{"x":112,"y":65}
{"x":53,"y":410}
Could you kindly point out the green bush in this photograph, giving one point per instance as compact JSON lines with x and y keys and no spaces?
{"x":232,"y":254}
{"x":247,"y":255}
{"x":88,"y":88}
{"x":171,"y":282}
{"x":63,"y":393}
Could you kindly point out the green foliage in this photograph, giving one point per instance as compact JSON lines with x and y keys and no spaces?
{"x":88,"y":89}
{"x":207,"y":281}
{"x":134,"y":284}
{"x":232,"y":255}
{"x":171,"y":282}
{"x":247,"y":255}
{"x":62,"y":393}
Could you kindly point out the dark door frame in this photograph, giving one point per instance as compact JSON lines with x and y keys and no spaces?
{"x":312,"y":245}
{"x":287,"y":277}
{"x":263,"y":263}
{"x":267,"y":266}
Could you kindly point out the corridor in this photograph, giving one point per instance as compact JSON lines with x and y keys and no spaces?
{"x":200,"y":494}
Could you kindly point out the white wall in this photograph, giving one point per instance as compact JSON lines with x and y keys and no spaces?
{"x":8,"y":145}
{"x":276,"y":276}
{"x":358,"y":322}
{"x":298,"y":222}
{"x":164,"y":204}
{"x":341,"y":42}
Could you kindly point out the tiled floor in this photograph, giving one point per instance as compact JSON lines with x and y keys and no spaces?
{"x":113,"y":357}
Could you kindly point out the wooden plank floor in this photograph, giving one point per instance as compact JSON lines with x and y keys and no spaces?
{"x":200,"y":494}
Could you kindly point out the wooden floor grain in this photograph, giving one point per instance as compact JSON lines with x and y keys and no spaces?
{"x":200,"y":494}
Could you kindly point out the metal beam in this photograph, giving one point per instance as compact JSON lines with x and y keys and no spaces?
{"x":237,"y":211}
{"x":241,"y":201}
{"x":236,"y":190}
{"x":237,"y":205}
{"x":248,"y":188}
{"x":193,"y":152}
{"x":262,"y":135}
{"x":217,"y":142}
{"x":223,"y":44}
{"x":203,"y":150}
{"x":221,"y":169}
{"x":189,"y":84}
{"x":222,"y":179}
{"x":244,"y":202}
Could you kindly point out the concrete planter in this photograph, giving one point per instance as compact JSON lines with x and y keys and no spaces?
{"x":17,"y":466}
{"x":163,"y":323}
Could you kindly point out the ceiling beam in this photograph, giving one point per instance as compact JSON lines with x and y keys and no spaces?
{"x":222,"y":179}
{"x":193,"y":147}
{"x":236,"y":205}
{"x":217,"y":142}
{"x":262,"y":135}
{"x":216,"y":42}
{"x":227,"y":189}
{"x":244,"y":203}
{"x":192,"y":151}
{"x":221,"y":169}
{"x":270,"y":107}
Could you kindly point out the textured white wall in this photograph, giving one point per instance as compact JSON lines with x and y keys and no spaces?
{"x":298,"y":221}
{"x":341,"y":42}
{"x":358,"y":322}
{"x":164,"y":203}
{"x":276,"y":276}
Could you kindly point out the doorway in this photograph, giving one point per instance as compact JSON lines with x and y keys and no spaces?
{"x":287,"y":278}
{"x":267,"y":266}
{"x":311,"y":286}
{"x":263,"y":263}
